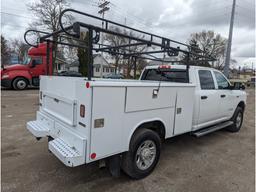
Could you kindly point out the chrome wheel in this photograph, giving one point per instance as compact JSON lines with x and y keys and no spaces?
{"x":21,"y":84}
{"x":145,"y":155}
{"x":238,"y":119}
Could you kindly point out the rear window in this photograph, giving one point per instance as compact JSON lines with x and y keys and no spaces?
{"x":171,"y":75}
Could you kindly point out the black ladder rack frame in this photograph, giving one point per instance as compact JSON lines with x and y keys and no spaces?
{"x":73,"y":32}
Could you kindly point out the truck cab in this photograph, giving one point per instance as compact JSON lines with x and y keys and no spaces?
{"x":216,"y":100}
{"x":20,"y":76}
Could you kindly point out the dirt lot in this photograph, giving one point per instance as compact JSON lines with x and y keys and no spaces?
{"x":220,"y":161}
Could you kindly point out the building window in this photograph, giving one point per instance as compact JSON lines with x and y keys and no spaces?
{"x":97,"y":69}
{"x":107,"y":70}
{"x":112,"y":70}
{"x":103,"y":69}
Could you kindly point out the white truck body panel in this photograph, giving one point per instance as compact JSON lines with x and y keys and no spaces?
{"x":123,"y":105}
{"x":114,"y":109}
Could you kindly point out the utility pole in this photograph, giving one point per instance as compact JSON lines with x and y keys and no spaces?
{"x":228,"y":53}
{"x":103,"y":5}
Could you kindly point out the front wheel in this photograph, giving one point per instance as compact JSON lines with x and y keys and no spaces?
{"x":143,"y":155}
{"x":20,"y":83}
{"x":237,"y":120}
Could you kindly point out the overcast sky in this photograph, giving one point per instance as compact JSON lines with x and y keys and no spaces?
{"x":175,"y":19}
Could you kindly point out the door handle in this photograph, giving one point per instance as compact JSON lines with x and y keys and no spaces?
{"x":204,"y":97}
{"x":222,"y":96}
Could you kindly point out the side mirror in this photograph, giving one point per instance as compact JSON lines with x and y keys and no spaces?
{"x":242,"y":87}
{"x":239,"y":86}
{"x":33,"y":64}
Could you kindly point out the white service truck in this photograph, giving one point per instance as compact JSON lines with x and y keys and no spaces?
{"x":125,"y":121}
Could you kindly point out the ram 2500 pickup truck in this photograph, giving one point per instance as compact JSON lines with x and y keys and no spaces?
{"x":125,"y":121}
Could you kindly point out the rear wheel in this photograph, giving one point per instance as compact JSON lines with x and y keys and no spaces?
{"x":20,"y":83}
{"x":237,"y":119}
{"x":143,"y":154}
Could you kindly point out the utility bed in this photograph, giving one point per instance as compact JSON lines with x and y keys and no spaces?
{"x":91,"y":120}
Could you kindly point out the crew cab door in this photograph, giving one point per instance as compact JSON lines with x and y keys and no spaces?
{"x":227,"y":97}
{"x":208,"y":99}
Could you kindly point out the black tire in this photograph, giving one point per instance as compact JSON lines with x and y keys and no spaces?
{"x":20,"y":83}
{"x":129,"y":165}
{"x":239,"y":114}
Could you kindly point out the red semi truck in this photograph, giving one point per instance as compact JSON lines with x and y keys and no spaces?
{"x":21,"y":76}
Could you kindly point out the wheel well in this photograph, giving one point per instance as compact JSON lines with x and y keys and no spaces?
{"x":242,"y":105}
{"x":156,"y":126}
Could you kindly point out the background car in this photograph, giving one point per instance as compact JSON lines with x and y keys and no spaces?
{"x":113,"y":76}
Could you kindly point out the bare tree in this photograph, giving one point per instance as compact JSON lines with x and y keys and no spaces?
{"x":114,"y":41}
{"x":47,"y":14}
{"x":20,"y":48}
{"x":119,"y":59}
{"x":212,"y":44}
{"x":5,"y":51}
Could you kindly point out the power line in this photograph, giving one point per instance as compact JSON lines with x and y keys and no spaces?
{"x":13,"y":14}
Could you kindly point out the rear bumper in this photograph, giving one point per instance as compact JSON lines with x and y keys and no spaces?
{"x":6,"y":83}
{"x":66,"y":146}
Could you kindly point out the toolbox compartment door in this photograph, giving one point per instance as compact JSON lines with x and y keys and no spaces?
{"x":142,"y":98}
{"x":60,"y":107}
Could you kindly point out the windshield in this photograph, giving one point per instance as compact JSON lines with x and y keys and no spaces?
{"x":26,"y":60}
{"x":172,"y":75}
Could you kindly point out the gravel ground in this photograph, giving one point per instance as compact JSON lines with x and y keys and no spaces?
{"x":220,"y":161}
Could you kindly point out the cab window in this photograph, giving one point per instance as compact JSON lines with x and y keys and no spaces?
{"x":171,"y":75}
{"x":37,"y":60}
{"x":206,"y":79}
{"x":221,"y":80}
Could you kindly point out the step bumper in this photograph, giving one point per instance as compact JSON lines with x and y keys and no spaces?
{"x":67,"y":145}
{"x":37,"y":129}
{"x":65,"y":153}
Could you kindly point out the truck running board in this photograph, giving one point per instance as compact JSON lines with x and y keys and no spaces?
{"x":207,"y":130}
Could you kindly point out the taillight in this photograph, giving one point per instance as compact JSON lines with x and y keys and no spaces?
{"x":82,"y":110}
{"x":87,"y":85}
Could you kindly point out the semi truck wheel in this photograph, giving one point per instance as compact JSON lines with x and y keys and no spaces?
{"x":237,"y":119}
{"x":20,"y":83}
{"x":143,"y":154}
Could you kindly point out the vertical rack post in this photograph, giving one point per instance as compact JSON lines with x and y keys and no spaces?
{"x":47,"y":57}
{"x":187,"y":66}
{"x":135,"y":66}
{"x":90,"y":56}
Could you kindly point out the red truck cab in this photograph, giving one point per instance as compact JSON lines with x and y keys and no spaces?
{"x":21,"y":76}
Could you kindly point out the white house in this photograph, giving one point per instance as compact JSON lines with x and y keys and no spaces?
{"x":100,"y":66}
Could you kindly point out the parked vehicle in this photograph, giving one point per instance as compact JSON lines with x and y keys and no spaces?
{"x":124,"y":122}
{"x":20,"y":76}
{"x":113,"y":76}
{"x":251,"y":82}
